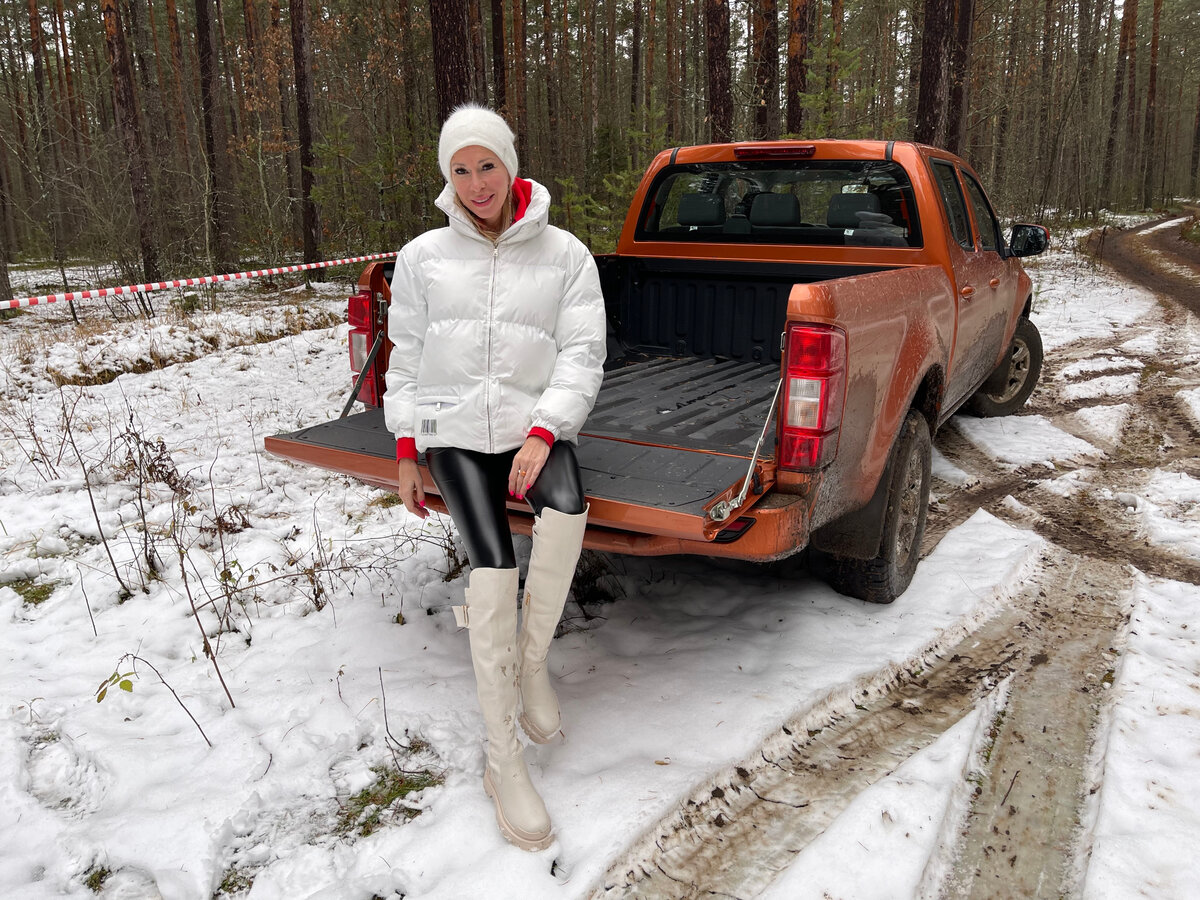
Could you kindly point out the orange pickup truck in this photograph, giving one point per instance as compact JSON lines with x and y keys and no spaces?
{"x":789,"y":324}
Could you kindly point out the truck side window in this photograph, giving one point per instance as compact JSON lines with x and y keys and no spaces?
{"x":952,"y":199}
{"x":985,"y":220}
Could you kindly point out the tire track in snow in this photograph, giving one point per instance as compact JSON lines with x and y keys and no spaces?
{"x":753,"y":819}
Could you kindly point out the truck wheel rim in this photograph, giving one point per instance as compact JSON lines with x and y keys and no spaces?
{"x":910,"y":510}
{"x":1018,"y":372}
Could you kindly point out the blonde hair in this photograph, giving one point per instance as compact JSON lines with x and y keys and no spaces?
{"x":506,"y":217}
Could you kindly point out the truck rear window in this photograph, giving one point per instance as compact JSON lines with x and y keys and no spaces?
{"x":849,"y":202}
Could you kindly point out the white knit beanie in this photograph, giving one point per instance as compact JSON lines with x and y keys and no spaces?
{"x":474,"y":125}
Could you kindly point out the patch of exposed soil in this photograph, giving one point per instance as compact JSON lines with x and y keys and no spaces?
{"x":1156,"y":258}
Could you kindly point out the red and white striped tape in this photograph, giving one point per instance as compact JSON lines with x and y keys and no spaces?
{"x":184,"y":282}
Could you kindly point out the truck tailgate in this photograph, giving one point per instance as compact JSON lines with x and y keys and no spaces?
{"x":666,"y":438}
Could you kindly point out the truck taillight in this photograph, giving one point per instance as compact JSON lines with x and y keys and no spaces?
{"x":360,"y":346}
{"x":358,"y":311}
{"x":814,"y":385}
{"x":360,"y":315}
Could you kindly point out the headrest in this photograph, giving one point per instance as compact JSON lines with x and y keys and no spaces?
{"x":701,"y":209}
{"x":844,"y":209}
{"x":775,"y":209}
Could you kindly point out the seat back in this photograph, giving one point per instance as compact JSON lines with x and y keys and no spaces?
{"x":701,"y":210}
{"x":844,"y":209}
{"x":775,"y":210}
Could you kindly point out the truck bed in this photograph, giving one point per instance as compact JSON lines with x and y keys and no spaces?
{"x":665,"y":433}
{"x":712,"y":405}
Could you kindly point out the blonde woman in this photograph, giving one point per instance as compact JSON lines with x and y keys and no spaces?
{"x":498,"y":339}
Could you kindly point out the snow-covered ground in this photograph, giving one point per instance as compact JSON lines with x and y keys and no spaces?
{"x":328,"y":612}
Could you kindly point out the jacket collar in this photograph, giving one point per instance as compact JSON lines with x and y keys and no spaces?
{"x":530,"y":225}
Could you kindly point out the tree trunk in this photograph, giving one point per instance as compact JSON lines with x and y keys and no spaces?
{"x":1005,"y":114}
{"x":720,"y":100}
{"x":673,"y":85}
{"x":16,"y":104}
{"x":635,"y":59}
{"x":1114,"y":121}
{"x":451,"y":74}
{"x":8,"y":228}
{"x":912,"y":94}
{"x":125,"y":106}
{"x":1089,"y":16}
{"x":77,"y":117}
{"x":651,"y":85}
{"x":1045,"y":86}
{"x":519,"y":100}
{"x":478,"y":56}
{"x":956,"y":124}
{"x":218,"y":249}
{"x":1131,"y":129}
{"x":6,"y":293}
{"x":279,"y":47}
{"x":1196,"y":147}
{"x":160,"y":77}
{"x":933,"y":93}
{"x":612,"y":112}
{"x":257,"y":91}
{"x":150,"y":107}
{"x":765,"y":52}
{"x":552,"y":124}
{"x":233,"y":76}
{"x":499,"y":57}
{"x":1151,"y":109}
{"x":47,"y":161}
{"x":572,"y":153}
{"x":591,"y":81}
{"x":301,"y":56}
{"x":797,"y":64}
{"x":181,"y":126}
{"x":833,"y":92}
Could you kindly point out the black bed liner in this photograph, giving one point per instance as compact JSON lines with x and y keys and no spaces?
{"x":708,"y":412}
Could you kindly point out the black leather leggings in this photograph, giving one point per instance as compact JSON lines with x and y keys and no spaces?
{"x":474,"y":487}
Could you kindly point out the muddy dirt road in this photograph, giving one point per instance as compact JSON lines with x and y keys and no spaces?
{"x":1039,"y":668}
{"x":1154,"y":256}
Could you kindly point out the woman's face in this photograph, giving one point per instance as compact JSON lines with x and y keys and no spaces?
{"x":481,"y":182}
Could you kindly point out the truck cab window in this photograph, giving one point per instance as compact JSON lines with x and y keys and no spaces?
{"x":952,"y":200}
{"x":985,"y":219}
{"x":792,"y":201}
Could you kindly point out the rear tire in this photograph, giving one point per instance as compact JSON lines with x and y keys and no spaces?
{"x":887,"y":575}
{"x":1010,"y":385}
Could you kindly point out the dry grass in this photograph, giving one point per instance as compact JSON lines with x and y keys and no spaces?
{"x":1190,"y":230}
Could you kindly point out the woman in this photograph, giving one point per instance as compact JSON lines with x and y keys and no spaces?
{"x":498,"y":336}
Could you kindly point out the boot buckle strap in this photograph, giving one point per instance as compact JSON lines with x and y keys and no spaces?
{"x":462,"y":616}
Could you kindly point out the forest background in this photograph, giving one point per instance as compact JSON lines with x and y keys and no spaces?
{"x":156,"y":138}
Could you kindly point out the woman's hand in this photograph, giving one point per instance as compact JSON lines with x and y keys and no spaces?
{"x":527,"y":465}
{"x":410,"y":488}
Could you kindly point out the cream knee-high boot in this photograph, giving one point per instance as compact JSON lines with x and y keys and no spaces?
{"x":492,"y":622}
{"x":557,"y":541}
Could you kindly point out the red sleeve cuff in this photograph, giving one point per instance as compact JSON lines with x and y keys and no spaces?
{"x":406,"y":448}
{"x":547,"y":436}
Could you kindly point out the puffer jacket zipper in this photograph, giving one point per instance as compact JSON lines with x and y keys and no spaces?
{"x":487,"y":386}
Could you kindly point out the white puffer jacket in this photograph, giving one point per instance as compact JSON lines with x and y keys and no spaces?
{"x":492,"y":339}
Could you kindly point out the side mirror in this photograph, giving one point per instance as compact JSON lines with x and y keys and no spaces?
{"x":1028,"y":240}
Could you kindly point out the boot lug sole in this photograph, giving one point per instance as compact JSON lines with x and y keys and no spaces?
{"x":525,"y":840}
{"x":535,"y":734}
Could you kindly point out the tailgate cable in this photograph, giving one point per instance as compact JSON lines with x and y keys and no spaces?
{"x":724,"y":509}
